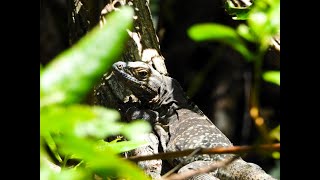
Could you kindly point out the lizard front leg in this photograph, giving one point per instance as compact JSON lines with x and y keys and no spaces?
{"x":163,"y":135}
{"x":152,"y":168}
{"x":152,"y":117}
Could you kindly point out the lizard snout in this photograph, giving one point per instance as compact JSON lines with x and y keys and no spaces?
{"x":119,"y":65}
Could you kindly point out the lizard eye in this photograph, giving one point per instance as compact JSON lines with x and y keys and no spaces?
{"x":143,"y":74}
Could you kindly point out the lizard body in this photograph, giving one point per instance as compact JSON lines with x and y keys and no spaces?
{"x":179,"y":123}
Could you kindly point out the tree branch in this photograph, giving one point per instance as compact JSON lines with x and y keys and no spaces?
{"x":207,"y":169}
{"x":220,"y":150}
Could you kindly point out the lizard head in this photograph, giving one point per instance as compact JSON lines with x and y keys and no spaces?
{"x":141,"y":78}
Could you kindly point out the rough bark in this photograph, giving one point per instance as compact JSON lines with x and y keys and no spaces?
{"x":83,"y":15}
{"x":143,"y":45}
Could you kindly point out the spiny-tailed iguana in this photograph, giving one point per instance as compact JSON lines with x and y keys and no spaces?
{"x":180,"y":124}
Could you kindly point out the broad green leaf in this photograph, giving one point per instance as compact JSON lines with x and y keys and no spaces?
{"x":218,"y":32}
{"x":104,"y":163}
{"x":70,"y":76}
{"x":136,"y":130}
{"x":80,"y":120}
{"x":272,"y":76}
{"x":121,"y":146}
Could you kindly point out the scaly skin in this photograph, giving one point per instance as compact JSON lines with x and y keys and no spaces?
{"x":179,"y":123}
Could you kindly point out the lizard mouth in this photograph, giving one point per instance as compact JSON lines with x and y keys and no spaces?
{"x":123,"y":73}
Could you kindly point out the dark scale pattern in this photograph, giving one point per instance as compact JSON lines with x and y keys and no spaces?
{"x":240,"y":169}
{"x":195,"y":131}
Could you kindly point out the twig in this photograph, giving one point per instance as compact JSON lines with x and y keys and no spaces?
{"x":219,"y":150}
{"x":180,"y":164}
{"x":207,"y":169}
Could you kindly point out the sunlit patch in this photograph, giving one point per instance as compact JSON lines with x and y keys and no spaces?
{"x":276,"y":155}
{"x":254,"y":112}
{"x":259,"y":121}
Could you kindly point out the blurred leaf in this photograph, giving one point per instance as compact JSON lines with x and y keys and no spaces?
{"x":105,"y":163}
{"x":49,"y":170}
{"x":275,"y":133}
{"x":41,"y":69}
{"x":120,"y":147}
{"x":237,"y":13}
{"x":272,"y":76}
{"x":52,"y":145}
{"x":74,"y":72}
{"x":136,"y":130}
{"x":80,"y":120}
{"x":276,"y":155}
{"x":218,"y":32}
{"x":102,"y":126}
{"x":244,"y":31}
{"x":95,"y":121}
{"x":264,"y":20}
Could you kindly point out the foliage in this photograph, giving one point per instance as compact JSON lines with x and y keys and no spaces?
{"x":73,"y":131}
{"x":272,"y":76}
{"x":261,"y":22}
{"x":222,"y":33}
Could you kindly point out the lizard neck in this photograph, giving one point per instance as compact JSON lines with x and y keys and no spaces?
{"x":171,"y":98}
{"x":170,"y":95}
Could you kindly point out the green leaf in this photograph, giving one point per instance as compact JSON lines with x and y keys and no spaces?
{"x":275,"y":133}
{"x":102,"y":125}
{"x":244,"y":31}
{"x":52,"y":145}
{"x":276,"y":155}
{"x":264,"y":20}
{"x":41,"y":69}
{"x":272,"y":76}
{"x":120,"y":147}
{"x":70,"y":76}
{"x":218,"y":32}
{"x":136,"y":130}
{"x":80,"y":120}
{"x":104,"y":163}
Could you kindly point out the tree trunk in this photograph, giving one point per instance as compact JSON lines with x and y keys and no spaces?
{"x":143,"y":45}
